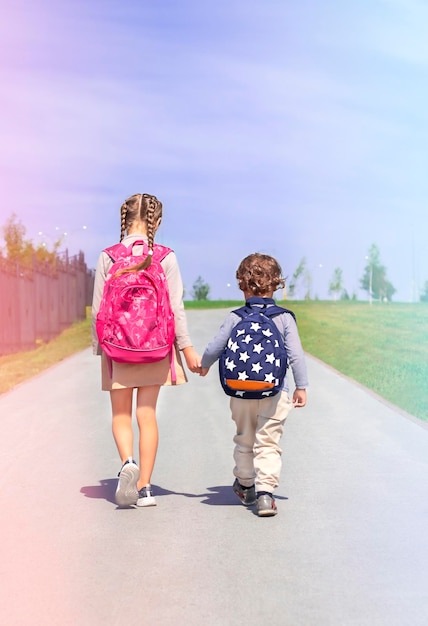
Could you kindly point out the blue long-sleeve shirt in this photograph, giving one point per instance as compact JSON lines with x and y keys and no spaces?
{"x":286,"y":326}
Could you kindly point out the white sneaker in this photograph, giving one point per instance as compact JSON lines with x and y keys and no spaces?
{"x":127,"y":492}
{"x":145,"y":497}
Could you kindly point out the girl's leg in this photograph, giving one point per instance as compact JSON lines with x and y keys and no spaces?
{"x":146,"y":417}
{"x":121,"y":404}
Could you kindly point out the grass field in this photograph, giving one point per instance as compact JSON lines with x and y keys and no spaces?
{"x":16,"y":368}
{"x":384,"y":347}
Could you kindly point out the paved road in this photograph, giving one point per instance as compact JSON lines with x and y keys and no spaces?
{"x":349,"y":546}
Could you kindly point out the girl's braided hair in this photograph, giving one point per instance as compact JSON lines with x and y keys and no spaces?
{"x":145,"y":208}
{"x":259,"y":274}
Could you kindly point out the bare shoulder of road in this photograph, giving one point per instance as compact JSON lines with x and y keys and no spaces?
{"x":348,"y":547}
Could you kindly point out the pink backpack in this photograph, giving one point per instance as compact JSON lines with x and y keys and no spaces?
{"x":135,"y":322}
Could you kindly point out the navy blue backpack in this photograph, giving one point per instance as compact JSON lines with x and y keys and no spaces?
{"x":254,"y":363}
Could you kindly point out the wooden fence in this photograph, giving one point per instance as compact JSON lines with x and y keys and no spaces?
{"x":37,"y":303}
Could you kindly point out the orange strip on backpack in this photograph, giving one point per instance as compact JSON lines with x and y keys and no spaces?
{"x":248,"y":385}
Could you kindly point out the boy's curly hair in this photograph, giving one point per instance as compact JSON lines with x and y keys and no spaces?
{"x":259,"y":274}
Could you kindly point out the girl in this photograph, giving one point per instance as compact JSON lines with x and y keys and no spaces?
{"x":141,"y":216}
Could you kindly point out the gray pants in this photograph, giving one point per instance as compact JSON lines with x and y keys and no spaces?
{"x":259,"y":427}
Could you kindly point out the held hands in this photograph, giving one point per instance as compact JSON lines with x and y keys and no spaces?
{"x":299,"y":398}
{"x":193,"y":360}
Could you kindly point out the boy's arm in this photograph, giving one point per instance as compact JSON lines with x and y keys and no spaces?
{"x":217,"y":345}
{"x":296,"y":359}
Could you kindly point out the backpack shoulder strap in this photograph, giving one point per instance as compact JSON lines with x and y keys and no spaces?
{"x":275,"y":310}
{"x":117,"y":251}
{"x":270,"y":311}
{"x":160,"y":252}
{"x":243,"y":311}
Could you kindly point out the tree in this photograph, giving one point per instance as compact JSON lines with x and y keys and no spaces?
{"x":307,"y":282}
{"x":374,"y":280}
{"x":336,"y":283}
{"x":201,"y":289}
{"x":345,"y":296}
{"x":299,"y":273}
{"x":22,"y":250}
{"x":424,"y":294}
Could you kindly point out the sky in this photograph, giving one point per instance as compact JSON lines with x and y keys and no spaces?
{"x":297,"y":129}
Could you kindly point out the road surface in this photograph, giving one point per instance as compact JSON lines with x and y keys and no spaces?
{"x":349,"y":546}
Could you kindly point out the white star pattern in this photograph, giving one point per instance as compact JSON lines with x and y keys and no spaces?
{"x":254,"y":353}
{"x":242,"y":376}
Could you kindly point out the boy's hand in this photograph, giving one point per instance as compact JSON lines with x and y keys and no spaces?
{"x":204,"y":371}
{"x":193,"y":360}
{"x":299,"y":398}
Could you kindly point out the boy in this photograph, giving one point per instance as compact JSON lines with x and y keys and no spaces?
{"x":260,"y":423}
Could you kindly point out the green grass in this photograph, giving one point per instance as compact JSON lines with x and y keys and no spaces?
{"x":384,"y":347}
{"x":17,"y":368}
{"x":212,"y":304}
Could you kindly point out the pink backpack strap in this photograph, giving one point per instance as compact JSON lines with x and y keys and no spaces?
{"x":160,"y":252}
{"x":117,"y":251}
{"x":172,"y":366}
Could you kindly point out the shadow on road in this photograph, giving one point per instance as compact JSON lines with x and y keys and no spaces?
{"x":221,"y":495}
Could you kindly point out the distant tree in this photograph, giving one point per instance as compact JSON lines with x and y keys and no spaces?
{"x":307,"y":282}
{"x":201,"y":289}
{"x":374,"y":280}
{"x":298,"y":274}
{"x":290,"y":289}
{"x":336,"y":283}
{"x":22,"y":250}
{"x":424,"y":294}
{"x":345,"y":296}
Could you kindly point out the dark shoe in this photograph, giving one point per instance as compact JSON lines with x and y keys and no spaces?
{"x":247,"y":495}
{"x":266,"y":506}
{"x":145,"y":497}
{"x":126,"y":492}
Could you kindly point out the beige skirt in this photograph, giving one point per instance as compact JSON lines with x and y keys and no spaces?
{"x":142,"y":374}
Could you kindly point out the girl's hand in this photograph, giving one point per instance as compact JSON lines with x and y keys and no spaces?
{"x":204,"y":371}
{"x":193,"y":360}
